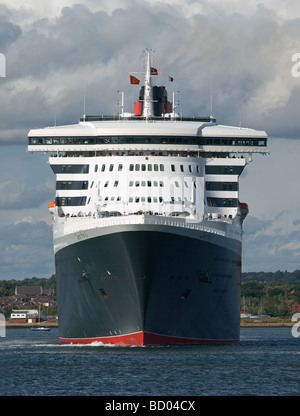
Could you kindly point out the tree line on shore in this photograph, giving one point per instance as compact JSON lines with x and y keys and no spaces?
{"x":7,"y":287}
{"x":261,"y":292}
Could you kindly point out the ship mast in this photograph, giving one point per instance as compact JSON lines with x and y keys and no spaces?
{"x":148,"y":102}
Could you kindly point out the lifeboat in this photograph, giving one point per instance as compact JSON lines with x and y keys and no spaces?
{"x":244,"y":210}
{"x":51,"y":207}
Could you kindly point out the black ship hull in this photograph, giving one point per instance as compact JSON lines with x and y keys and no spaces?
{"x":148,"y":288}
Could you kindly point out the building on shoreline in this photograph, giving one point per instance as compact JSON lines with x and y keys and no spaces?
{"x":29,"y":316}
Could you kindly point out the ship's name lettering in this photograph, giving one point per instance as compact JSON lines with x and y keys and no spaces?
{"x":81,"y":235}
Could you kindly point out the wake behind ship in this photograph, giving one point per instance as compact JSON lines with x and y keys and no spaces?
{"x":147,"y":223}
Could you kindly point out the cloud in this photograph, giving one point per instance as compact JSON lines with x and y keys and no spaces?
{"x":50,"y":58}
{"x":22,"y":246}
{"x":272,"y":245}
{"x":17,"y":195}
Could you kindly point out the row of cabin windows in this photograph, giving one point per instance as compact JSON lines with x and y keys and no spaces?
{"x":137,"y":199}
{"x":210,"y":186}
{"x":223,"y":141}
{"x":149,"y":184}
{"x":145,"y":167}
{"x":60,"y":185}
{"x":81,"y":200}
{"x":217,"y":170}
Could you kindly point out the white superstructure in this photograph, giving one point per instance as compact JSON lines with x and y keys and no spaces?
{"x":119,"y":169}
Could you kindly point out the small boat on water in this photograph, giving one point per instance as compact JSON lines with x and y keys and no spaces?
{"x":40,"y":328}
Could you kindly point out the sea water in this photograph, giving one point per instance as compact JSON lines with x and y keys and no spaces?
{"x":266,"y":362}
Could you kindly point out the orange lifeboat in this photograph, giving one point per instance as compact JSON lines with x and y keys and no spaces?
{"x":51,"y":207}
{"x":244,"y":210}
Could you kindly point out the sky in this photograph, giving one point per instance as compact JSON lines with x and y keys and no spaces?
{"x":244,"y":52}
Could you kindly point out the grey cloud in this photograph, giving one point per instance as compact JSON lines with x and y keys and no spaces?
{"x":18,"y":195}
{"x":268,"y":248}
{"x":9,"y":32}
{"x":254,"y":225}
{"x":26,"y":250}
{"x":243,"y":56}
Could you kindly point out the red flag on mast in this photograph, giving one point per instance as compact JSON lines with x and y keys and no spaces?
{"x":154,"y":71}
{"x":134,"y":80}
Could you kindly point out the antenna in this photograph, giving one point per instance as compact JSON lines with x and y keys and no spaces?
{"x":174,"y":104}
{"x":148,"y":102}
{"x":121,"y":105}
{"x":83,"y":100}
{"x":211,"y":100}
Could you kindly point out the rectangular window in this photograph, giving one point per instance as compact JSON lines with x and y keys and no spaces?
{"x":222,"y":202}
{"x":221,"y":186}
{"x":72,"y":185}
{"x":70,"y":168}
{"x":70,"y":201}
{"x":223,"y":170}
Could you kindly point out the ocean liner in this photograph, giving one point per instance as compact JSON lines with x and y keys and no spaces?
{"x":147,"y":223}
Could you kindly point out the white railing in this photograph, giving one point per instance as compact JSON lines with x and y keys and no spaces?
{"x":68,"y":225}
